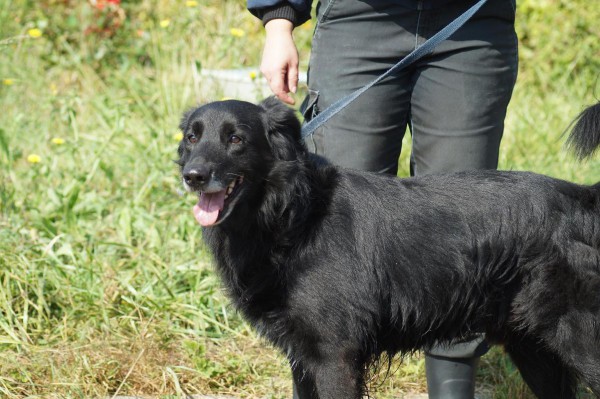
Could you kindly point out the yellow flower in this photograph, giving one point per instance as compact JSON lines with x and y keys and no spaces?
{"x":34,"y":32}
{"x":165,"y":22}
{"x":236,"y":32}
{"x":58,"y":141}
{"x":53,"y":89}
{"x":253,"y":75}
{"x":8,"y":82}
{"x":307,"y":25}
{"x":34,"y":158}
{"x":191,"y":3}
{"x":178,"y":136}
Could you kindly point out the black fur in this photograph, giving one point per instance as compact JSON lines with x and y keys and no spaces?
{"x":337,"y":267}
{"x":586,"y":132}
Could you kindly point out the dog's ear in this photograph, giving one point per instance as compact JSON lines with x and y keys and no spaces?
{"x":283,"y":130}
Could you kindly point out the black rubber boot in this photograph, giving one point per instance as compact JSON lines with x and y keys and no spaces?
{"x":450,"y":378}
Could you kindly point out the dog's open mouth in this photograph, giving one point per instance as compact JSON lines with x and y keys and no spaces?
{"x":212,"y":207}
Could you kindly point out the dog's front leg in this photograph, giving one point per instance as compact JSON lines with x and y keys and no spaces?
{"x":339,"y":378}
{"x":304,"y":383}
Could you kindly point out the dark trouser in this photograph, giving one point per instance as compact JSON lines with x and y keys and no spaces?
{"x":454,"y":100}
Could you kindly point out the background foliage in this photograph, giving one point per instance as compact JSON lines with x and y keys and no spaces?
{"x":105,"y":286}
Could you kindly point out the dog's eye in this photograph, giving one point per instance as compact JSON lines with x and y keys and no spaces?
{"x":192,"y":138}
{"x":233,"y":139}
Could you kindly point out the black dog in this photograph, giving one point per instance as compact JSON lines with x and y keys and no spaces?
{"x":336,"y":267}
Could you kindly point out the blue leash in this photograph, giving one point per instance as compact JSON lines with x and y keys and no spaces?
{"x":417,"y":53}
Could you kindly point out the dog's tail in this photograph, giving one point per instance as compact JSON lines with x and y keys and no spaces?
{"x":584,"y":139}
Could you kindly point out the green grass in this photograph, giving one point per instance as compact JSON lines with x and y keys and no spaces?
{"x":105,"y":285}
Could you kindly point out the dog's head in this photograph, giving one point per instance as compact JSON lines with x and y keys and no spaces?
{"x":228,"y":150}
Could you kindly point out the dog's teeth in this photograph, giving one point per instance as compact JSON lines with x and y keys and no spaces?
{"x":229,"y":190}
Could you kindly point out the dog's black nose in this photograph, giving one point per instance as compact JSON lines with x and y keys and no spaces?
{"x":196,"y":175}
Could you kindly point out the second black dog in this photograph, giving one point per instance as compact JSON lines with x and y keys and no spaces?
{"x":336,"y":267}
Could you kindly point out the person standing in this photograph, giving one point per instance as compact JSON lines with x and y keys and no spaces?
{"x":453,"y":100}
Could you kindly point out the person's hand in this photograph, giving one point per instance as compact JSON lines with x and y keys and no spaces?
{"x":280,"y":59}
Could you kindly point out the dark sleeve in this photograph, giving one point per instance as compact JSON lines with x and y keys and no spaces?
{"x":296,"y":11}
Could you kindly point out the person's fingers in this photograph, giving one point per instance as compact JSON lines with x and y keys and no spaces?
{"x":279,"y":87}
{"x":280,"y":59}
{"x":277,"y":79}
{"x":292,"y":77}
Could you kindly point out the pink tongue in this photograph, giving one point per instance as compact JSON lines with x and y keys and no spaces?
{"x":207,"y":209}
